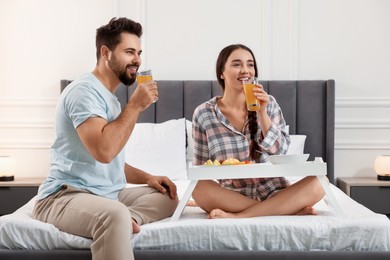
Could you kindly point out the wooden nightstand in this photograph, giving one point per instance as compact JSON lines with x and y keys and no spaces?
{"x":14,"y":194}
{"x":370,"y":192}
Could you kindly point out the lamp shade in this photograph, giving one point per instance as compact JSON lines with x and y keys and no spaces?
{"x":7,"y":168}
{"x":382,"y":167}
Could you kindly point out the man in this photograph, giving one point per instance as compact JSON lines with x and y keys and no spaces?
{"x":85,"y":193}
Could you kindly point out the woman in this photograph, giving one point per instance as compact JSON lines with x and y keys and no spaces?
{"x":223,"y":128}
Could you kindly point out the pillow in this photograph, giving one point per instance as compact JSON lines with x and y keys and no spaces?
{"x":190,"y":141}
{"x":287,"y":129}
{"x":297,"y":144}
{"x":159,"y":149}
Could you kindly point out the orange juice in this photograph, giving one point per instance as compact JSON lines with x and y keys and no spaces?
{"x":252,"y":104}
{"x":144,"y":78}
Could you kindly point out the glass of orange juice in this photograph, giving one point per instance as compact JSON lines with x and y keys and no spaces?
{"x":252,"y":104}
{"x":144,"y":76}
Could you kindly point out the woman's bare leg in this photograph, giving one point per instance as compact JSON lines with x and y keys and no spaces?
{"x":295,"y":199}
{"x":210,"y":195}
{"x":191,"y":203}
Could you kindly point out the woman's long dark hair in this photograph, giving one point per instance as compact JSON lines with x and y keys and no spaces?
{"x":252,"y":115}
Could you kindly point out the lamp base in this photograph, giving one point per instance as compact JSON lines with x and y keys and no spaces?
{"x":7,"y":178}
{"x":384,"y":177}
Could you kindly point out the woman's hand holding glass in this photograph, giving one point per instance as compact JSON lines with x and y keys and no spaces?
{"x":261,"y":96}
{"x":255,"y":96}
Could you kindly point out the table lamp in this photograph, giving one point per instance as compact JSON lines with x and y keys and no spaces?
{"x":382,"y":167}
{"x":6,"y":168}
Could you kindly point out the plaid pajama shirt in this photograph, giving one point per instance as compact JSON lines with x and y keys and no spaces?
{"x":216,"y":139}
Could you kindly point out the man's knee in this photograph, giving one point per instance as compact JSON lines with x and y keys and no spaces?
{"x":117,"y":213}
{"x":168,"y":203}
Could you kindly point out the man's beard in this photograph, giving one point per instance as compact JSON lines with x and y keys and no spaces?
{"x":121,"y":74}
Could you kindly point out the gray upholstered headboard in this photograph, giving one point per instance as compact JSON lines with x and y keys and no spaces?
{"x":308,"y":107}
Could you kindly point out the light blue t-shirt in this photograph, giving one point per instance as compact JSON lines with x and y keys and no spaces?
{"x":71,"y":163}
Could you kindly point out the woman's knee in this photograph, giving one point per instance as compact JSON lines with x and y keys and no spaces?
{"x":202,"y":194}
{"x":316,"y":188}
{"x":203,"y":188}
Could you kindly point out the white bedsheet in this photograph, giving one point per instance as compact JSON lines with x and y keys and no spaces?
{"x":361,"y":230}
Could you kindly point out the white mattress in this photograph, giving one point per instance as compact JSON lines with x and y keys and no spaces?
{"x":360,"y":230}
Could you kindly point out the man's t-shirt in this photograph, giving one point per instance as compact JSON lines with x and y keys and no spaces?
{"x":71,"y":164}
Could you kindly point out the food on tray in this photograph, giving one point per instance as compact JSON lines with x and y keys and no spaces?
{"x":229,"y":161}
{"x":210,"y":162}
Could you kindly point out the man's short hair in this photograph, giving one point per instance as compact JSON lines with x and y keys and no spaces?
{"x":110,"y":34}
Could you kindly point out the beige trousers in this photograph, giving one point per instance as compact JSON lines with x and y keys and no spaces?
{"x":106,"y":221}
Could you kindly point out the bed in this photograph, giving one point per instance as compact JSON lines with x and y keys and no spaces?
{"x":308,"y":107}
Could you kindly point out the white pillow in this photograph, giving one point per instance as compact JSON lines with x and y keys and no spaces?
{"x":287,"y":129}
{"x":297,"y":144}
{"x":159,"y":149}
{"x":190,"y":141}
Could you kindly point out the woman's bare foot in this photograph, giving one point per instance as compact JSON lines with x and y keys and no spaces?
{"x":136,"y":227}
{"x":218,"y":213}
{"x":191,"y":203}
{"x":307,"y":211}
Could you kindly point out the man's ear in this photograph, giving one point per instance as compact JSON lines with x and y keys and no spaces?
{"x":104,"y":52}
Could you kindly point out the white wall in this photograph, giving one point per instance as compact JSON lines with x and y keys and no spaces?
{"x":43,"y":41}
